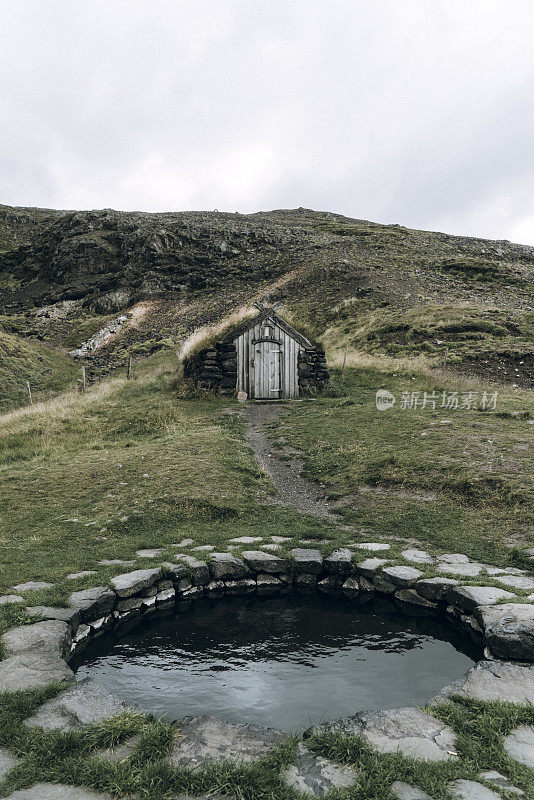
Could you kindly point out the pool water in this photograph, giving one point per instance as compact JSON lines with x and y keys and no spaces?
{"x":281,"y":662}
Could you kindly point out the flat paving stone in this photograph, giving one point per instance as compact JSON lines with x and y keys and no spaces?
{"x":83,"y":574}
{"x":402,"y":576}
{"x":203,"y":548}
{"x":372,"y":546}
{"x":32,"y":586}
{"x":471,"y":790}
{"x":7,"y":599}
{"x":279,"y":539}
{"x":33,"y":670}
{"x":493,"y":680}
{"x":85,"y":703}
{"x":409,"y":731}
{"x":93,"y":603}
{"x":315,"y":775}
{"x":150,"y":552}
{"x":468,"y":598}
{"x":465,"y":570}
{"x":405,"y":791}
{"x":130,"y":583}
{"x":50,"y":635}
{"x":273,"y":548}
{"x":183,"y":543}
{"x":519,"y":744}
{"x":203,"y":739}
{"x":516,"y":581}
{"x":417,"y":556}
{"x":454,"y":558}
{"x":339,"y":562}
{"x":57,"y":791}
{"x":247,"y":539}
{"x":500,"y":781}
{"x":7,"y":762}
{"x":111,"y":562}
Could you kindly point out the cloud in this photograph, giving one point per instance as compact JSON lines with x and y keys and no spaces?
{"x":414,"y":112}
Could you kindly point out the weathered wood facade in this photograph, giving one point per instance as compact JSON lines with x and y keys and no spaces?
{"x":265,"y":358}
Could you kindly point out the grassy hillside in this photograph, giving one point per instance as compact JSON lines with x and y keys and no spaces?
{"x":381,"y":289}
{"x":47,"y":370}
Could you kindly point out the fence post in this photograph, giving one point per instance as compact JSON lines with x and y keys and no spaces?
{"x":29,"y":392}
{"x":129,"y":370}
{"x":83,"y":379}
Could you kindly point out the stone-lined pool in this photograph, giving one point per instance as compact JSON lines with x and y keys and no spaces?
{"x":285,"y":662}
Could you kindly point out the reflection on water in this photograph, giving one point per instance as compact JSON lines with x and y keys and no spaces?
{"x":282,"y":662}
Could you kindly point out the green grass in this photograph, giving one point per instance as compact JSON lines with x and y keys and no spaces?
{"x":47,"y":370}
{"x":464,"y":486}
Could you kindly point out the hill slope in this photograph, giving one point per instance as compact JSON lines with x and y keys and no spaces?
{"x":380,"y":289}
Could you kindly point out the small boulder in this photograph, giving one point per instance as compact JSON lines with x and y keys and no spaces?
{"x":401,"y":576}
{"x":259,"y":561}
{"x":130,"y":583}
{"x":307,"y":561}
{"x":467,"y":598}
{"x":93,"y":603}
{"x":224,"y":566}
{"x":509,"y":629}
{"x":315,"y":776}
{"x":339,"y":562}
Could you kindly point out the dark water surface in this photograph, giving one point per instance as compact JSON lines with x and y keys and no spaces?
{"x":281,"y":662}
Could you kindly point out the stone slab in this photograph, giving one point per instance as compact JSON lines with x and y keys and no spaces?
{"x":465,"y":570}
{"x":32,"y":586}
{"x":307,"y":561}
{"x":500,"y":781}
{"x":224,"y":566}
{"x":57,"y":791}
{"x":408,"y":731}
{"x":405,"y":791}
{"x":469,"y":597}
{"x":33,"y":670}
{"x":371,"y":546}
{"x":203,"y":739}
{"x":519,"y":744}
{"x":51,"y":635}
{"x":339,"y":562}
{"x":509,"y":629}
{"x":247,"y":539}
{"x":369,"y":567}
{"x":417,"y":556}
{"x":315,"y":775}
{"x":93,"y":603}
{"x":517,"y":582}
{"x":403,"y":577}
{"x":265,"y":562}
{"x":491,"y":681}
{"x":7,"y":599}
{"x":130,"y":583}
{"x":83,"y":574}
{"x":471,"y":790}
{"x":85,"y":703}
{"x":7,"y":762}
{"x":150,"y":552}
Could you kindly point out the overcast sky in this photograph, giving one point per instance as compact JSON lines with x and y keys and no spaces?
{"x":418,"y":112}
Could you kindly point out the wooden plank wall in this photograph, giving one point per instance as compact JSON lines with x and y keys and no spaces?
{"x":289,"y":380}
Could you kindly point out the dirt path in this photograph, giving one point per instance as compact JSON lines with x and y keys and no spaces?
{"x":292,"y":488}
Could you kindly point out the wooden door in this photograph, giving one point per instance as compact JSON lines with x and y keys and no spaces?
{"x":266,"y":370}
